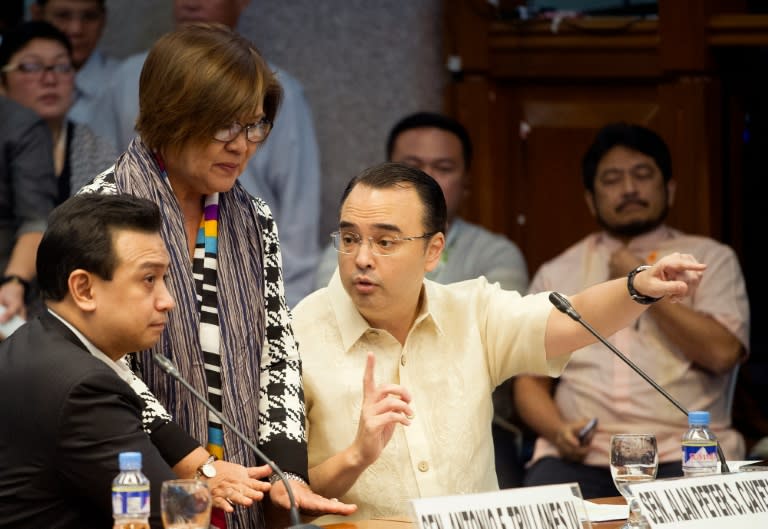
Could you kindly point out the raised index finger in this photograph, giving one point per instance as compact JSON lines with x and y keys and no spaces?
{"x":369,"y":384}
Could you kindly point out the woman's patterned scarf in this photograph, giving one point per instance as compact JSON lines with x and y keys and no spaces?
{"x":239,"y":300}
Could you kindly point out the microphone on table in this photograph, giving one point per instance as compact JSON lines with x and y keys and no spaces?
{"x":562,"y":304}
{"x":169,"y":367}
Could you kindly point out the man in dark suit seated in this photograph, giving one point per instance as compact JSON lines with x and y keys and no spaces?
{"x":68,"y":401}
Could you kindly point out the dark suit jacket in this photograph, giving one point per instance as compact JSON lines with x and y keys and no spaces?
{"x":65,"y":418}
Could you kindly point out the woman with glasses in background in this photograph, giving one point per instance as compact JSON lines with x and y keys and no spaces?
{"x":207,"y":100}
{"x":37,"y":72}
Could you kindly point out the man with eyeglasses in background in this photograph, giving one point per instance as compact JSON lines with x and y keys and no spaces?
{"x":421,"y":424}
{"x":82,"y":21}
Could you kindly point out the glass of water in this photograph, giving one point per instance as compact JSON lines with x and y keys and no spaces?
{"x":185,"y":504}
{"x":634,"y":459}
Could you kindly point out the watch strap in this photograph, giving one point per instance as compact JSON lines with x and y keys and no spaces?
{"x":290,"y":476}
{"x":633,"y":293}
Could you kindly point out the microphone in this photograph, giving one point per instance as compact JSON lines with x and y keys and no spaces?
{"x":169,"y":367}
{"x":562,"y":304}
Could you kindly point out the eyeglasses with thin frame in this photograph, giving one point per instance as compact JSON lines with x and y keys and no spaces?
{"x":254,"y":132}
{"x":38,"y":68}
{"x":349,"y":242}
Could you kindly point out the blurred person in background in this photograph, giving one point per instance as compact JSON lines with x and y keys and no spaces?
{"x":37,"y":72}
{"x":27,"y":195}
{"x":82,"y":21}
{"x":692,"y":349}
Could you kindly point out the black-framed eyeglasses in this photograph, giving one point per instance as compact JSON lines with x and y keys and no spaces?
{"x":254,"y":132}
{"x":349,"y":242}
{"x":38,"y":68}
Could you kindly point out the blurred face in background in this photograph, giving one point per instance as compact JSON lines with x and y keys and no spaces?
{"x":630,"y":196}
{"x":438,"y":153}
{"x":81,"y":20}
{"x":48,"y":92}
{"x":225,"y":12}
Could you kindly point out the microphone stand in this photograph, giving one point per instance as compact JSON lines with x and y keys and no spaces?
{"x":168,"y":366}
{"x":563,"y":305}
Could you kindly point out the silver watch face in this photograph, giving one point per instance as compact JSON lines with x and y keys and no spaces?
{"x":208,"y":470}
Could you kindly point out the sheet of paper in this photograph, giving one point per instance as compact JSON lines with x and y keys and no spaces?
{"x":599,"y":512}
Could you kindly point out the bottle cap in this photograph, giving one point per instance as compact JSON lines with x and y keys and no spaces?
{"x":129,"y":460}
{"x":698,"y":417}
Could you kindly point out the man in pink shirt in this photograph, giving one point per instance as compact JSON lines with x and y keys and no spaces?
{"x":692,"y":349}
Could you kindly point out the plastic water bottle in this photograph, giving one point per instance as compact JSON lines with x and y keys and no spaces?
{"x":699,"y":446}
{"x":130,"y":494}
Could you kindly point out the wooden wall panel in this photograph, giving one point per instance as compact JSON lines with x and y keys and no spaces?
{"x":562,"y":86}
{"x":561,"y":123}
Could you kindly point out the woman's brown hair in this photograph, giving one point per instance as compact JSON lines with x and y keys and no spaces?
{"x":198,"y":79}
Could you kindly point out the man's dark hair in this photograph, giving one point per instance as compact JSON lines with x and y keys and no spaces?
{"x":635,"y":137}
{"x":425,"y":120}
{"x":19,"y":36}
{"x":391,"y":174}
{"x":79,"y":236}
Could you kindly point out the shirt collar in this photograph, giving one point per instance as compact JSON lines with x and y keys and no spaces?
{"x":120,"y":367}
{"x":352,"y":325}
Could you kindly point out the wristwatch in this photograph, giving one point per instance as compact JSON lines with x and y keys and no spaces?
{"x":633,"y":293}
{"x":290,"y":476}
{"x":206,"y":470}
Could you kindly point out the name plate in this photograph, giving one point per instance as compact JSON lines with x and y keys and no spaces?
{"x":714,"y":501}
{"x":550,"y":506}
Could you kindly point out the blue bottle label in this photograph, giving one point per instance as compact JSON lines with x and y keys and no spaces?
{"x":130,"y":502}
{"x":700,"y":455}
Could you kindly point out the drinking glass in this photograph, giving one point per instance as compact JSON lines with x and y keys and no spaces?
{"x":634,"y":459}
{"x":185,"y":504}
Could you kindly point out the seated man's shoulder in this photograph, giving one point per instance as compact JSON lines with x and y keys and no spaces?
{"x":481,"y":237}
{"x":17,"y":119}
{"x":702,"y":243}
{"x":33,"y":353}
{"x":288,"y":81}
{"x":125,"y":74}
{"x":705,"y":249}
{"x":132,"y":63}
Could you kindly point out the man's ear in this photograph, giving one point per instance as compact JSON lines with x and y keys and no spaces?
{"x":80,"y":285}
{"x":671,"y":188}
{"x":435,"y":249}
{"x":589,"y":198}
